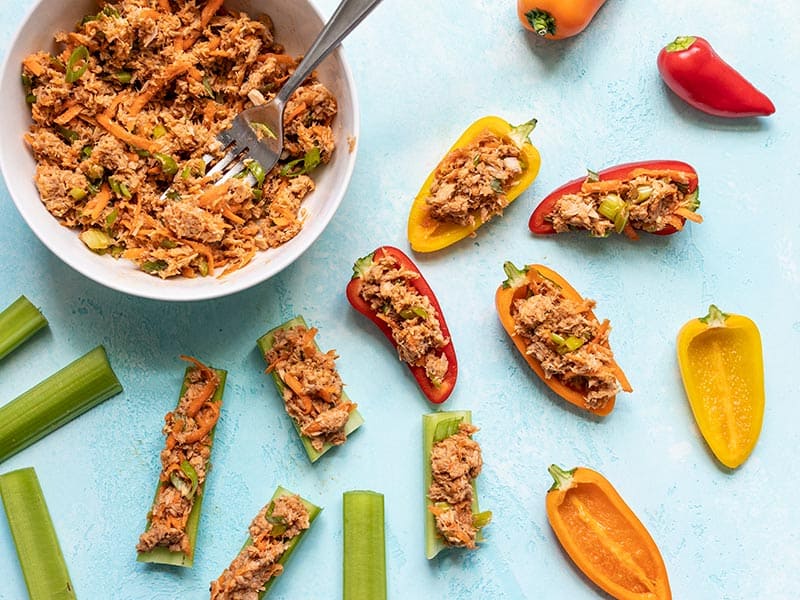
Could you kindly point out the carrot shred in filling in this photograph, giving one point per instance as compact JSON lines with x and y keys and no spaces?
{"x":312,"y":390}
{"x":185,"y":456}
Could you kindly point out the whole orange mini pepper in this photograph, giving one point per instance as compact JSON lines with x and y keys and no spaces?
{"x":603,"y":536}
{"x":425,"y":233}
{"x":515,"y":288}
{"x":722,"y":369}
{"x":557,"y":19}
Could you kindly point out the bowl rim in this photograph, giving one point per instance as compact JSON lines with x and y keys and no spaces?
{"x":223,"y":286}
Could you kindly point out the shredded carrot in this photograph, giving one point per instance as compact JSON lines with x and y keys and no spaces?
{"x":164,"y":5}
{"x":609,"y":185}
{"x":177,"y":43}
{"x":154,"y":85}
{"x":293,"y":383}
{"x":134,"y":253}
{"x":204,"y":425}
{"x":33,"y":65}
{"x":149,"y":13}
{"x":208,"y":199}
{"x":689,"y":214}
{"x":228,"y":213}
{"x":630,"y":232}
{"x":209,"y":111}
{"x":205,"y":251}
{"x":297,"y":111}
{"x":208,"y":12}
{"x":69,"y":114}
{"x":211,"y":385}
{"x":675,"y":221}
{"x":243,"y":261}
{"x":601,"y":330}
{"x":95,"y":206}
{"x":284,"y":59}
{"x":194,"y":73}
{"x":680,"y":176}
{"x":126,"y":136}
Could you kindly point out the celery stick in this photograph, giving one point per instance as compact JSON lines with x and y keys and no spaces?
{"x":81,"y":385}
{"x":364,"y":553}
{"x":162,"y":555}
{"x":18,"y":322}
{"x":31,"y":528}
{"x":434,"y":543}
{"x":355,"y":421}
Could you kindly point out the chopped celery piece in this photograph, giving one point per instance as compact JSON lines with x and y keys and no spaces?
{"x":621,"y":219}
{"x":610,"y":206}
{"x":81,"y":385}
{"x":444,"y":429}
{"x":96,"y":239}
{"x":38,"y":550}
{"x":430,"y":424}
{"x":355,"y":421}
{"x":643,"y":193}
{"x":19,"y":321}
{"x":364,"y":546}
{"x":568,"y":344}
{"x":161,"y":554}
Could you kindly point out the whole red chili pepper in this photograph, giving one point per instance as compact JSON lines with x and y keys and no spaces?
{"x":436,"y":391}
{"x":691,"y":69}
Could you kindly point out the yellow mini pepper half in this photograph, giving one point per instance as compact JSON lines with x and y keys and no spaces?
{"x":427,"y":234}
{"x":722,"y":369}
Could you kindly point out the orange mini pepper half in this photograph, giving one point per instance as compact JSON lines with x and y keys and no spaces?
{"x":603,"y":536}
{"x":557,"y":19}
{"x":425,"y":233}
{"x":515,"y":288}
{"x":722,"y":369}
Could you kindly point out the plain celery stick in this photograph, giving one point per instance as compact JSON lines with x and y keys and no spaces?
{"x":364,"y":554}
{"x":81,"y":385}
{"x":18,"y":322}
{"x":35,"y":538}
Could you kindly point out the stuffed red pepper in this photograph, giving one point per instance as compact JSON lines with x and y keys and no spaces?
{"x":653,"y":196}
{"x":388,"y":288}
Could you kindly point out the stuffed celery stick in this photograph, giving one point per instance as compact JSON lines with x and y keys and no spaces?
{"x":364,"y":546}
{"x":19,"y":321}
{"x":38,"y":550}
{"x":275,"y":532}
{"x":172,"y":522}
{"x":452,"y":461}
{"x":309,"y":384}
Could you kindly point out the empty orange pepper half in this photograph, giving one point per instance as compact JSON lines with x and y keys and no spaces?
{"x":603,"y":536}
{"x":516,"y":288}
{"x":425,"y":233}
{"x":722,"y":369}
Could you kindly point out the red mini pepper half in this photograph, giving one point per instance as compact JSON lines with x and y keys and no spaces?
{"x":435,"y":392}
{"x":697,"y":74}
{"x":540,"y":225}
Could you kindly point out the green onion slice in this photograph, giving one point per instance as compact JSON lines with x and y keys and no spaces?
{"x":81,"y":385}
{"x":497,"y":186}
{"x":168,"y":164}
{"x":263,"y":130}
{"x":310,"y":161}
{"x":265,"y":343}
{"x":364,"y":546}
{"x":18,"y":322}
{"x":38,"y":550}
{"x":436,"y":427}
{"x":77,"y":64}
{"x":161,"y":554}
{"x":154,"y":266}
{"x":256,"y":170}
{"x":123,"y":77}
{"x":414,"y":311}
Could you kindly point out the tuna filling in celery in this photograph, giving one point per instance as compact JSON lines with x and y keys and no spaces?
{"x":184,"y":463}
{"x":270,"y":534}
{"x":473,"y":180}
{"x":312,"y":387}
{"x":647,"y":201}
{"x":455,"y":462}
{"x":413,"y":320}
{"x":567,"y":340}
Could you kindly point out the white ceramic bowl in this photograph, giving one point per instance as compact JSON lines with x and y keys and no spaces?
{"x":297,"y":23}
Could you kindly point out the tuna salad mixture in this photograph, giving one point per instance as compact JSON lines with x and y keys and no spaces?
{"x":455,"y":462}
{"x":127,"y":107}
{"x":567,"y":340}
{"x":414,"y":322}
{"x":312,"y":386}
{"x":472,"y":182}
{"x":649,"y":201}
{"x":184,"y":462}
{"x":271,"y":532}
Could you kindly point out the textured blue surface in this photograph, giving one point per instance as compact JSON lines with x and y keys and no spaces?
{"x":425,"y":70}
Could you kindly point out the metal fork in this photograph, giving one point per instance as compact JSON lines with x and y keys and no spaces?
{"x":257,"y":132}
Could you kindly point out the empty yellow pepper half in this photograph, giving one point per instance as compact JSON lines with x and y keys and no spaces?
{"x":425,"y":233}
{"x":722,"y":369}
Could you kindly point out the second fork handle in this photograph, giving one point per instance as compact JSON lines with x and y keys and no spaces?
{"x":348,"y":14}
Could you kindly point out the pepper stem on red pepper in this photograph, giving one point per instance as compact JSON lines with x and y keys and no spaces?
{"x":542,"y":22}
{"x":682,"y":42}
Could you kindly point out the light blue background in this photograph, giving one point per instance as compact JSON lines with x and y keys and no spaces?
{"x":425,"y":70}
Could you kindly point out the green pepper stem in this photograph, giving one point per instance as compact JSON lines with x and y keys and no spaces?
{"x":561,"y":479}
{"x":362,"y":265}
{"x":542,"y":22}
{"x":520,"y":134}
{"x":682,"y":42}
{"x":516,"y":277}
{"x":715,"y":317}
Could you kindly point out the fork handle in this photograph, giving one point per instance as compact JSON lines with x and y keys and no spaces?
{"x":348,"y":14}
